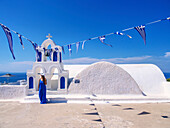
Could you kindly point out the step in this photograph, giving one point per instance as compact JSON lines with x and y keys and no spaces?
{"x":49,"y":92}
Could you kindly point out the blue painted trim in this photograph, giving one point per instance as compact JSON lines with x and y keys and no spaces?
{"x":62,"y":83}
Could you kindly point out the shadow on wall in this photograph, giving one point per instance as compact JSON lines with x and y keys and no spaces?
{"x":69,"y":81}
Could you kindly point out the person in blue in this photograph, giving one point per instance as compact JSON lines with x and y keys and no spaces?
{"x":42,"y":89}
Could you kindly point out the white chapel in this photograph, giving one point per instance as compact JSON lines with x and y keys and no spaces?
{"x":49,"y":62}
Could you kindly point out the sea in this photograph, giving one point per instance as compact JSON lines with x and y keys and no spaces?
{"x":14,"y":79}
{"x":22,"y":76}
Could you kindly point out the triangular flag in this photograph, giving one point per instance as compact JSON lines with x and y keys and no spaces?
{"x":63,"y":49}
{"x":9,"y":37}
{"x":20,"y":40}
{"x":38,"y":55}
{"x":102,"y":38}
{"x":129,"y":36}
{"x":119,"y":33}
{"x":69,"y":48}
{"x":83,"y":44}
{"x":33,"y":44}
{"x":77,"y":46}
{"x":141,"y":30}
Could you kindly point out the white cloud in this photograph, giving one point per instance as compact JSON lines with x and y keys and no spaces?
{"x":127,"y":60}
{"x":87,"y":60}
{"x":20,"y":66}
{"x":84,"y":60}
{"x":23,"y":63}
{"x":167,"y":54}
{"x":161,"y":61}
{"x":23,"y":66}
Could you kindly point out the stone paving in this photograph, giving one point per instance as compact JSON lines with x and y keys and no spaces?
{"x":72,"y":115}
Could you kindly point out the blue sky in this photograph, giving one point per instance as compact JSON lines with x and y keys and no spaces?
{"x":69,"y":21}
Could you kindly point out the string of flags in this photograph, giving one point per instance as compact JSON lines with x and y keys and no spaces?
{"x":140,"y":29}
{"x":10,"y":41}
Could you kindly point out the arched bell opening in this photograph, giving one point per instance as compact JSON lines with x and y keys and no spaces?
{"x":55,"y":56}
{"x":47,"y":53}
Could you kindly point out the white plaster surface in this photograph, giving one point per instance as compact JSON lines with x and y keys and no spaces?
{"x":166,"y":88}
{"x":148,"y":76}
{"x":104,"y":78}
{"x":13,"y":91}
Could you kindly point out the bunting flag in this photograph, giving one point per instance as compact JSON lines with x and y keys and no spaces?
{"x":83,"y":44}
{"x":119,"y":33}
{"x":141,"y":30}
{"x":21,"y":40}
{"x":63,"y":49}
{"x":168,"y":18}
{"x":9,"y":37}
{"x":38,"y":55}
{"x":129,"y":36}
{"x":77,"y":46}
{"x":33,"y":44}
{"x":69,"y":48}
{"x":102,"y":38}
{"x":36,"y":50}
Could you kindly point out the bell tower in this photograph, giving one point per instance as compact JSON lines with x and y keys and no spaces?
{"x":49,"y":62}
{"x":54,"y":53}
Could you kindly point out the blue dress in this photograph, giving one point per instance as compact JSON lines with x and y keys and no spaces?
{"x":42,"y":92}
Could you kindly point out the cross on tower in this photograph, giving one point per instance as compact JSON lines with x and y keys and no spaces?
{"x":49,"y":36}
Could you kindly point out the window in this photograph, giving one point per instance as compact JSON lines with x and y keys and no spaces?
{"x":30,"y":82}
{"x":62,"y":83}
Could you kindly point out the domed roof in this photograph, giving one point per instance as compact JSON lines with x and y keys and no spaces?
{"x":104,"y":78}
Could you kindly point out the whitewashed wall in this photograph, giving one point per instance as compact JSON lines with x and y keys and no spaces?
{"x":149,"y":77}
{"x":13,"y":91}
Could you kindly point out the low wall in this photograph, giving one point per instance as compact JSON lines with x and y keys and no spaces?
{"x":13,"y":91}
